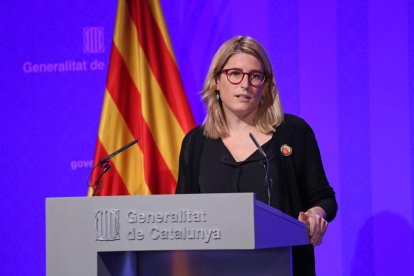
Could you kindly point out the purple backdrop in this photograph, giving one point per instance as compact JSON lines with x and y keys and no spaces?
{"x":347,"y":67}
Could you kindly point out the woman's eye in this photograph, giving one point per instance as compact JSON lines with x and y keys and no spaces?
{"x":234,"y":73}
{"x":257,"y":76}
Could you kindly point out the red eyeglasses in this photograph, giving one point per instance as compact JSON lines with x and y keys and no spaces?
{"x":236,"y":76}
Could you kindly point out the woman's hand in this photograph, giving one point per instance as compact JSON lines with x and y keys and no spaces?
{"x":314,"y":218}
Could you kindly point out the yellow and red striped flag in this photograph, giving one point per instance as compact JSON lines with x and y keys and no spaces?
{"x":145,"y":100}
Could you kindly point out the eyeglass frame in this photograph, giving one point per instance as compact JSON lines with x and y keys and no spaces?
{"x":249,"y":74}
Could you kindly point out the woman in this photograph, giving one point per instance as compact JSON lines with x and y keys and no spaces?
{"x":219,"y":157}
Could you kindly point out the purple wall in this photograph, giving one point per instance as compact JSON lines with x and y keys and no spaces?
{"x":347,"y":68}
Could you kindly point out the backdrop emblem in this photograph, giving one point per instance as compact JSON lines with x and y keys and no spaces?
{"x":93,"y":40}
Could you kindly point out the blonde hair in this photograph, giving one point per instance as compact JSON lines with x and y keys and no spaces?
{"x":269,"y":115}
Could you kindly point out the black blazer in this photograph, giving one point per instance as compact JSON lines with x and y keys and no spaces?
{"x":299,"y":180}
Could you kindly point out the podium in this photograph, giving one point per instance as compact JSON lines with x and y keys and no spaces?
{"x":197,"y":234}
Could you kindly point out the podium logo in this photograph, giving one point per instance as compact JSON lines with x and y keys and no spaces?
{"x":93,"y":40}
{"x":107,"y":225}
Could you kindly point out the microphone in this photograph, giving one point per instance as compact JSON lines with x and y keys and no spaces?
{"x":258,"y":147}
{"x":104,"y":163}
{"x":268,"y":181}
{"x":105,"y":159}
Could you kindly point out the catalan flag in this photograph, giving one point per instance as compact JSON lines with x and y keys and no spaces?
{"x":145,"y":100}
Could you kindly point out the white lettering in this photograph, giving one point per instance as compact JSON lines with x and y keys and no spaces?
{"x":170,"y":233}
{"x":64,"y":66}
{"x":132,"y":216}
{"x":80,"y":164}
{"x":180,"y":216}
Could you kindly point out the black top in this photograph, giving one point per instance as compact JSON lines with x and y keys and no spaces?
{"x":299,"y":181}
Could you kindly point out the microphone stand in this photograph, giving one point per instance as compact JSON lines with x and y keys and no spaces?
{"x":104,"y":163}
{"x":268,"y":181}
{"x":106,"y":166}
